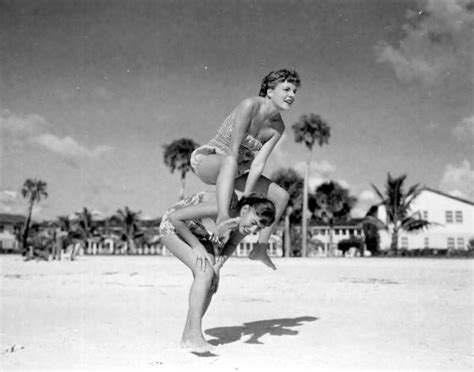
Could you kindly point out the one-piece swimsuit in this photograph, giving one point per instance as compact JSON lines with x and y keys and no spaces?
{"x":221,"y":143}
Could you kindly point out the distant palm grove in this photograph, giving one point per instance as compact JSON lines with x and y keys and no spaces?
{"x":328,"y":204}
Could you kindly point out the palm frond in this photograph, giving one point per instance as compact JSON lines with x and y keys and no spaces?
{"x":414,"y":224}
{"x":311,"y":129}
{"x":376,"y":222}
{"x":177,"y":154}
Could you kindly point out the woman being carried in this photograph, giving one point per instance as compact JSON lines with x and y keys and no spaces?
{"x":184,"y":234}
{"x":236,"y":156}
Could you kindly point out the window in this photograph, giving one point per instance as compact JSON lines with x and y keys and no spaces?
{"x":449,"y":216}
{"x":427,"y":242}
{"x":404,"y":242}
{"x":337,"y":231}
{"x":458,"y":215}
{"x":2,"y":228}
{"x":460,"y":242}
{"x":425,"y":215}
{"x":451,"y":243}
{"x":272,"y":249}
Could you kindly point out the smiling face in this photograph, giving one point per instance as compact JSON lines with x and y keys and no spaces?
{"x":283,"y":95}
{"x":249,"y":221}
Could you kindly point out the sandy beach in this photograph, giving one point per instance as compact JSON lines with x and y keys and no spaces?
{"x":110,"y":313}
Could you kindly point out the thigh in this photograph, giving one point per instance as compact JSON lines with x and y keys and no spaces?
{"x":262,"y":186}
{"x":208,"y":166}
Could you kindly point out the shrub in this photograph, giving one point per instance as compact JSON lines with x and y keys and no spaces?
{"x":346,"y":244}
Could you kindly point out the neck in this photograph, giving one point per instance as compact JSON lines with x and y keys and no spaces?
{"x":268,"y":109}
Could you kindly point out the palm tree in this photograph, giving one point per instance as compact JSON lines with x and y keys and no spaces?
{"x":86,"y":229}
{"x":34,"y":190}
{"x":129,"y":222}
{"x":293,"y":184}
{"x":332,"y":203}
{"x":398,"y":205}
{"x":177,"y":155}
{"x":309,"y":129}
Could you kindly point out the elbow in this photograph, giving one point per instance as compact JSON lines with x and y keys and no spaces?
{"x":173,"y":220}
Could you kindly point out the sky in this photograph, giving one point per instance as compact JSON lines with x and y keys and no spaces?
{"x":90,"y":91}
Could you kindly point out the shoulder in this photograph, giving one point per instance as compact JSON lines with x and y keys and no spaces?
{"x":249,"y":105}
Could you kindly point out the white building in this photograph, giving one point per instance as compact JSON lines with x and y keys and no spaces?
{"x":275,"y":248}
{"x":9,"y":223}
{"x":340,"y":231}
{"x":453,"y":220}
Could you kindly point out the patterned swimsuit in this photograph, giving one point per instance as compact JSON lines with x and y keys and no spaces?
{"x":220,"y":144}
{"x":196,"y":226}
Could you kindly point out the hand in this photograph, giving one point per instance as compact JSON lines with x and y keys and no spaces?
{"x":202,"y":257}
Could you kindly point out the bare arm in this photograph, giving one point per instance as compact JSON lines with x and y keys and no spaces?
{"x":258,"y":164}
{"x":179,"y":217}
{"x":228,"y":171}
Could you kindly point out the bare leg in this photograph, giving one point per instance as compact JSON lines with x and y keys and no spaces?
{"x":199,"y":296}
{"x":279,"y":197}
{"x":199,"y":301}
{"x":219,"y":170}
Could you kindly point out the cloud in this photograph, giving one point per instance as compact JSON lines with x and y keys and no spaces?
{"x":10,"y":201}
{"x":458,"y":180}
{"x":20,"y":129}
{"x":465,"y":129}
{"x":68,"y":147}
{"x":320,"y":172}
{"x":322,"y":168}
{"x":365,"y":200}
{"x":437,"y":47}
{"x":16,"y":126}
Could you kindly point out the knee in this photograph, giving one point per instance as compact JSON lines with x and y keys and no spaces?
{"x":205,"y":276}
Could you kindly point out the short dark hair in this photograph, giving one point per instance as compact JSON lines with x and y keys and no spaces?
{"x":274,"y":77}
{"x":264,"y":208}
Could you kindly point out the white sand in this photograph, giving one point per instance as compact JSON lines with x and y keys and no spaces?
{"x":109,"y":313}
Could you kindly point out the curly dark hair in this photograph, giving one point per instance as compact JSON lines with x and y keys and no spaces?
{"x":274,"y":77}
{"x":264,"y":208}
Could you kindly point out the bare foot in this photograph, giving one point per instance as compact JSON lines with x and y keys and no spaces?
{"x":259,"y":253}
{"x":198,"y":344}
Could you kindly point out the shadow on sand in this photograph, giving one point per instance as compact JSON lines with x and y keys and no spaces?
{"x":274,"y":327}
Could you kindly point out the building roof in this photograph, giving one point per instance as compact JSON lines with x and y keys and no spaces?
{"x":12,"y":218}
{"x":448,"y":196}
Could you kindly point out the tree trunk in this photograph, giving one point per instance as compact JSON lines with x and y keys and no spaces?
{"x":394,"y":243}
{"x":331,"y":240}
{"x":27,"y":226}
{"x":183,"y":181}
{"x":131,"y":246}
{"x":304,"y":221}
{"x":287,"y":232}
